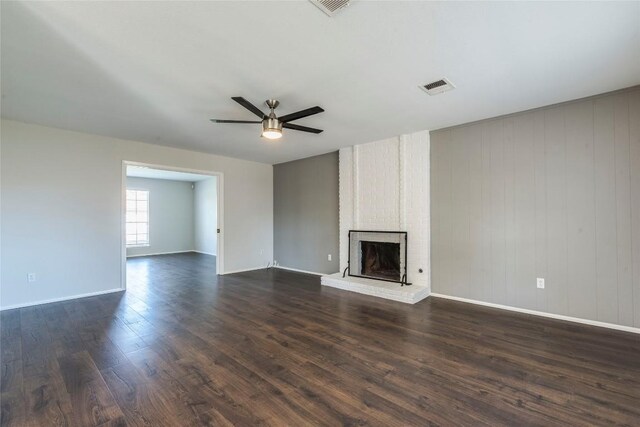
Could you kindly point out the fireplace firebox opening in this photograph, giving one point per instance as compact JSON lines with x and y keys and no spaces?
{"x":380,"y":259}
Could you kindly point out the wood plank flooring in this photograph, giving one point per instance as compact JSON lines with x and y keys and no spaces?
{"x":185,"y":347}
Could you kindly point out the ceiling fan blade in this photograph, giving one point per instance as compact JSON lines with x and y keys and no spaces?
{"x":235,"y":121}
{"x":249,"y":106}
{"x":300,"y":114}
{"x":301,"y":128}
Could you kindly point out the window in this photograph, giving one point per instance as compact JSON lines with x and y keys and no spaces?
{"x":137,"y":218}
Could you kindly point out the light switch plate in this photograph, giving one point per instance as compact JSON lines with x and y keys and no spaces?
{"x":540,"y":282}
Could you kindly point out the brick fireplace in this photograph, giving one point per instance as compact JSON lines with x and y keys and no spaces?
{"x":384,"y":185}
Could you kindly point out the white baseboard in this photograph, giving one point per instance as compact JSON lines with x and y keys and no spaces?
{"x":48,"y":301}
{"x":243,"y":270}
{"x":160,"y":253}
{"x":543,"y":314}
{"x":205,"y":253}
{"x":299,"y":271}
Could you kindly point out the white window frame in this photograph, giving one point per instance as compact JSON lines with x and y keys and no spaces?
{"x":139,"y":244}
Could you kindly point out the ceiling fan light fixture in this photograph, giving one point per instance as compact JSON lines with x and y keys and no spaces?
{"x":272,"y":134}
{"x":271,"y":128}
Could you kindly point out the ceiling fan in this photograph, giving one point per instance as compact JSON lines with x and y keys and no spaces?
{"x":271,"y":124}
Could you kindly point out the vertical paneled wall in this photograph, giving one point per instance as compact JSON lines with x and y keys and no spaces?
{"x":551,"y":193}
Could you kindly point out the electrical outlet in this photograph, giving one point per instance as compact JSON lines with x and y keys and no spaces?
{"x":329,"y":257}
{"x":31,"y":277}
{"x":540,"y":282}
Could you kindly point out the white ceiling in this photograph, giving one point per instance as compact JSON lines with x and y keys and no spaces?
{"x":157,"y":71}
{"x":144,"y":172}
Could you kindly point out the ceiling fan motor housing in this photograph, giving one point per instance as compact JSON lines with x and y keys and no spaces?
{"x":271,"y":123}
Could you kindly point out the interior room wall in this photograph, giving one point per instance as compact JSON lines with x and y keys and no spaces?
{"x":552,"y":193}
{"x":206,"y":216}
{"x":171,"y":216}
{"x":384,"y":185}
{"x":306,"y":213}
{"x":62,"y":207}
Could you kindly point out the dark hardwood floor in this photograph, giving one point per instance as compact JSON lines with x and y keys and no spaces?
{"x":184,"y":347}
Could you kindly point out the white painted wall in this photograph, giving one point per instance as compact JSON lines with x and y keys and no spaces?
{"x":62,"y":207}
{"x":171,"y":215}
{"x":205,"y":212}
{"x":384,"y":185}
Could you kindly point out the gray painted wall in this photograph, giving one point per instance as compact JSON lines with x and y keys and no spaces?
{"x":551,"y":193}
{"x":305,"y":212}
{"x":171,"y":215}
{"x":205,"y":211}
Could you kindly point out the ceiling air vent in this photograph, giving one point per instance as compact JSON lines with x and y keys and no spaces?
{"x":437,"y":87}
{"x":330,"y":7}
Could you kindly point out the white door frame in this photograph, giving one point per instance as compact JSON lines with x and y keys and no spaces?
{"x":123,"y":212}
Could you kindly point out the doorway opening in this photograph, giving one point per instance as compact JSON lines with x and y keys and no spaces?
{"x":170,"y":214}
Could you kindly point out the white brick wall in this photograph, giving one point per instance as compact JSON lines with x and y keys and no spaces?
{"x":417,"y":207}
{"x":384,"y":185}
{"x":377,"y":183}
{"x":345,"y":188}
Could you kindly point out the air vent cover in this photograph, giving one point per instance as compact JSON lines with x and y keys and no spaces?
{"x":330,"y":7}
{"x":434,"y":88}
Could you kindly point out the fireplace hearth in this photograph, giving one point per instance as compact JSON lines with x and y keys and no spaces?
{"x":380,"y":255}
